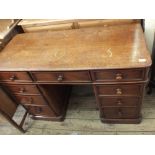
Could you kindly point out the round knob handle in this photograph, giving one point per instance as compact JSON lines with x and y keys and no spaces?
{"x":22,"y":90}
{"x":119,"y":76}
{"x":120,"y":114}
{"x":38,"y":109}
{"x":118,"y":91}
{"x":30,"y":100}
{"x":119,"y":102}
{"x":13,"y":77}
{"x":60,"y":78}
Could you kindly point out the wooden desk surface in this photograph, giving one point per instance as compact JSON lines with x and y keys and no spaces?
{"x":90,"y":48}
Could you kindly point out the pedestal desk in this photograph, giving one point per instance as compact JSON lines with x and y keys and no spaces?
{"x":38,"y":70}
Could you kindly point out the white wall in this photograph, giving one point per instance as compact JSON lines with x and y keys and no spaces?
{"x":149,"y":32}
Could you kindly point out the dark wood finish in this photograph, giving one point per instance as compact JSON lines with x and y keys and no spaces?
{"x":40,"y":111}
{"x":151,"y":84}
{"x":119,"y":75}
{"x":119,"y":101}
{"x":114,"y":59}
{"x":31,"y":100}
{"x":8,"y":109}
{"x":22,"y":89}
{"x":81,"y":76}
{"x":120,"y":113}
{"x":15,"y":77}
{"x":57,"y":96}
{"x":6,"y":104}
{"x":120,"y":90}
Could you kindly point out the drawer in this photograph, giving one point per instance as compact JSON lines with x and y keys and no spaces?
{"x":120,"y":113}
{"x":118,"y":75}
{"x":22,"y":89}
{"x":119,"y":90}
{"x":14,"y":76}
{"x":79,"y":76}
{"x":31,"y":100}
{"x":119,"y":101}
{"x":40,"y":111}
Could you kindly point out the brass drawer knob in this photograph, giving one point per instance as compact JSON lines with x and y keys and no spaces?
{"x":12,"y":78}
{"x":60,"y":78}
{"x":119,"y":76}
{"x":22,"y":90}
{"x":119,"y":102}
{"x":38,"y":110}
{"x":120,"y":114}
{"x":27,"y":100}
{"x":118,"y":91}
{"x":30,"y":100}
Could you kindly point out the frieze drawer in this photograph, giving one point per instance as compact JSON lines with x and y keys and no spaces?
{"x":118,"y":75}
{"x":78,"y":76}
{"x":15,"y":77}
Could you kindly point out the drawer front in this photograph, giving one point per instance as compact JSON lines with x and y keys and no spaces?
{"x":40,"y":111}
{"x":120,"y":90}
{"x":119,"y":75}
{"x":119,"y":101}
{"x":14,"y":76}
{"x":120,"y":113}
{"x":31,"y":100}
{"x":82,"y":76}
{"x":22,"y":89}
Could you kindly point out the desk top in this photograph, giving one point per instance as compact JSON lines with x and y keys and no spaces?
{"x":110,"y":47}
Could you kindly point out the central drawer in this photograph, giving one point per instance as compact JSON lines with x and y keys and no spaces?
{"x":77,"y":76}
{"x":120,"y":113}
{"x":22,"y":88}
{"x":31,"y":100}
{"x":119,"y":90}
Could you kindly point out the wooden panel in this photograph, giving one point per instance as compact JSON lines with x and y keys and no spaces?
{"x":14,"y":76}
{"x":104,"y":22}
{"x":57,"y":97}
{"x":42,"y":22}
{"x":79,"y":76}
{"x":119,"y":101}
{"x":31,"y":100}
{"x":118,"y":75}
{"x":22,"y":89}
{"x":59,"y":27}
{"x":6,"y":104}
{"x":40,"y":111}
{"x":26,"y":23}
{"x":120,"y":90}
{"x":120,"y":113}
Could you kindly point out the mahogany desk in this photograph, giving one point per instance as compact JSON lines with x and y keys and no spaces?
{"x":38,"y":69}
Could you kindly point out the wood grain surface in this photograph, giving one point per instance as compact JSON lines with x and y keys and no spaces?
{"x":79,"y":49}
